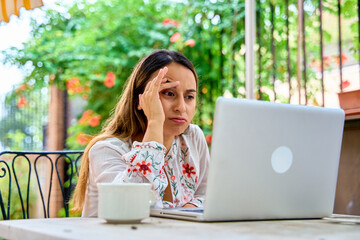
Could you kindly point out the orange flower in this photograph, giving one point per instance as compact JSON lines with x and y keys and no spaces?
{"x":22,"y":102}
{"x":90,"y":117}
{"x":190,"y":43}
{"x":175,"y":37}
{"x":95,"y":121}
{"x":110,"y":78}
{"x":168,"y":21}
{"x":86,"y":116}
{"x":83,"y":138}
{"x":345,"y":84}
{"x":22,"y":87}
{"x":73,"y":86}
{"x":344,"y":59}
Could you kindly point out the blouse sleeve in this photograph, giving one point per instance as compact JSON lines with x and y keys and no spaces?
{"x":204,"y":158}
{"x":143,"y":163}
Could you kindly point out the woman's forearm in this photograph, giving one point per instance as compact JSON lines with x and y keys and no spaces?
{"x":154,"y":132}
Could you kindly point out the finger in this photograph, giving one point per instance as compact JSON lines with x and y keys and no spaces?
{"x":148,"y":84}
{"x":161,"y":75}
{"x":168,"y":85}
{"x":154,"y":81}
{"x":160,"y":78}
{"x":165,"y":70}
{"x":154,"y":84}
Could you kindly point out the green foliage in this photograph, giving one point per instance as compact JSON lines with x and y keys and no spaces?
{"x":22,"y":173}
{"x":83,"y":48}
{"x":21,"y":126}
{"x":62,"y":212}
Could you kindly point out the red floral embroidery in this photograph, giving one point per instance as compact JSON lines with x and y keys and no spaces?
{"x":172,"y":178}
{"x":176,"y":201}
{"x":185,"y":199}
{"x":144,"y":167}
{"x":188,"y":170}
{"x":162,"y":175}
{"x":166,"y":163}
{"x":133,"y":158}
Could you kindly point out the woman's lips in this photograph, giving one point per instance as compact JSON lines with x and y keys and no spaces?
{"x":178,"y":120}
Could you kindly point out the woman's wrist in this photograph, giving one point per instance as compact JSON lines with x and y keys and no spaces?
{"x":154,"y":132}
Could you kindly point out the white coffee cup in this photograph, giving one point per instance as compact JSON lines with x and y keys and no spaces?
{"x":124,"y":202}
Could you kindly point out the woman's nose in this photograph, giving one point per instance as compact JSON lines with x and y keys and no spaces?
{"x":180,"y":105}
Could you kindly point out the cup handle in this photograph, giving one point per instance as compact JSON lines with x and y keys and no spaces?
{"x":152,"y":198}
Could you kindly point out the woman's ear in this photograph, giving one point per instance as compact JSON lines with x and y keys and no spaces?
{"x":139,"y":104}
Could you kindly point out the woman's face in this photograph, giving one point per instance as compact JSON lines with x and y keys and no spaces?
{"x":178,"y":102}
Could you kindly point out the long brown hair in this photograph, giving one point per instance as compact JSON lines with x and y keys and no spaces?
{"x":127,"y":121}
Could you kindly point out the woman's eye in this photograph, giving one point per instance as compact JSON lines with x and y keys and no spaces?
{"x":168,"y":93}
{"x":190,"y":97}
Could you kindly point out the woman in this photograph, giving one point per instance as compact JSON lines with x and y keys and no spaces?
{"x":150,"y":138}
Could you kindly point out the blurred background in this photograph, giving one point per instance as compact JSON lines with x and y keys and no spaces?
{"x":63,"y":67}
{"x":68,"y":60}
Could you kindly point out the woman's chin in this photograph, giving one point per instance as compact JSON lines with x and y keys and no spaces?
{"x":175,"y":130}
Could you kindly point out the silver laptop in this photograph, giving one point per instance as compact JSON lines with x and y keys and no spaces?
{"x":269,"y":161}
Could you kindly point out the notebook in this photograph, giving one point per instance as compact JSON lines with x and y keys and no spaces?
{"x":269,"y":161}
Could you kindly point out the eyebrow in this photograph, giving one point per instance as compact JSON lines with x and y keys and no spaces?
{"x":191,"y":91}
{"x":187,"y":91}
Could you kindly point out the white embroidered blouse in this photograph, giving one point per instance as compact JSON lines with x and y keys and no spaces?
{"x":186,"y":165}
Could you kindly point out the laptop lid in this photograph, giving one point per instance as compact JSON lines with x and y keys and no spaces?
{"x":272,"y":161}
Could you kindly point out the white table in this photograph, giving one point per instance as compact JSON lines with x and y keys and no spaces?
{"x":160,"y":228}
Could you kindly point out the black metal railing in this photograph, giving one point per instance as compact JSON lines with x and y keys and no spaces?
{"x":12,"y":165}
{"x":274,"y":17}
